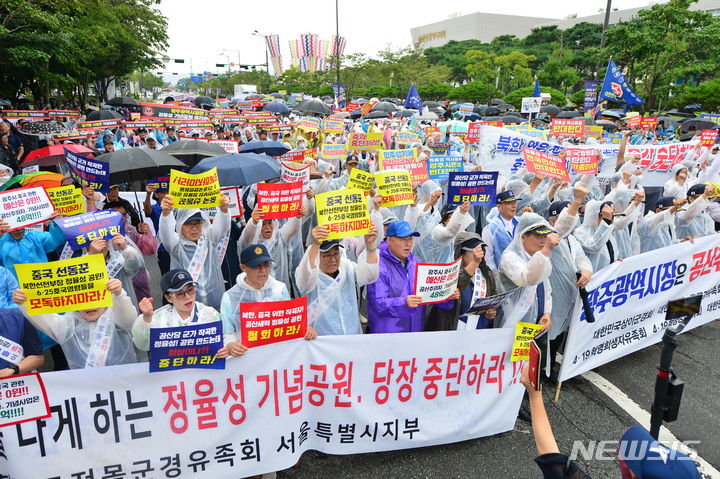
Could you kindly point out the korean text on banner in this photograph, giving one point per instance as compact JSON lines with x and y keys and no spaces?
{"x":265,"y":426}
{"x":88,"y":171}
{"x":190,"y":346}
{"x":66,"y":285}
{"x":404,"y":160}
{"x":362,"y":180}
{"x":362,"y":141}
{"x":583,"y":161}
{"x":81,"y":230}
{"x":405,"y":138}
{"x":633,"y":121}
{"x":309,"y":124}
{"x":299,"y":156}
{"x":593,"y":131}
{"x":25,"y":207}
{"x":68,"y":200}
{"x":22,"y":399}
{"x":195,"y":191}
{"x":436,"y":282}
{"x":648,"y":122}
{"x":331,"y":151}
{"x":524,"y":333}
{"x":629,"y":302}
{"x":230,"y":146}
{"x":539,"y":162}
{"x":288,"y":174}
{"x":273,"y":321}
{"x":395,"y":188}
{"x":439,"y":167}
{"x":708,"y":137}
{"x":531,"y":104}
{"x":344,"y":212}
{"x":567,"y":127}
{"x":234,"y":208}
{"x":473,"y":133}
{"x":160,"y":183}
{"x":279,"y":200}
{"x":333,"y":124}
{"x":477,"y":187}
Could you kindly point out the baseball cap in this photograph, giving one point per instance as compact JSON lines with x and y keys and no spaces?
{"x":665,"y":202}
{"x":471,"y":244}
{"x":448,"y":209}
{"x":175,"y":280}
{"x":194,"y":217}
{"x":254,"y":255}
{"x":556,"y":208}
{"x":505,"y":197}
{"x":352,"y":159}
{"x":400,"y":229}
{"x":540,"y":230}
{"x":648,"y":459}
{"x":696,"y":189}
{"x":326,"y":246}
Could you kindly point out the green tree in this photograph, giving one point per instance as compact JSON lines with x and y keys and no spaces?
{"x":557,"y":73}
{"x":515,"y":98}
{"x":706,"y":93}
{"x":505,"y":72}
{"x":475,"y":91}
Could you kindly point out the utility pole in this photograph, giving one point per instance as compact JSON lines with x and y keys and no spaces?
{"x":606,"y":23}
{"x":337,"y":45}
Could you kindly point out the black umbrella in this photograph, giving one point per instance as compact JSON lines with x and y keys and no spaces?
{"x":438,"y":110}
{"x":385,"y":106}
{"x":254,"y":95}
{"x":405,"y":113}
{"x":376,"y":114}
{"x":550,"y":109}
{"x":691,"y":108}
{"x":511,"y":120}
{"x":542,"y":121}
{"x":191,"y":152}
{"x":668,"y":121}
{"x":688,"y":136}
{"x":568,"y":108}
{"x":269,"y":147}
{"x":491,"y":111}
{"x":136,"y":164}
{"x":612,"y":114}
{"x":479,"y":109}
{"x":103,"y":115}
{"x":493,"y":118}
{"x":203,"y":100}
{"x":698,"y":124}
{"x":355,"y":114}
{"x":43,"y":128}
{"x":122,"y":101}
{"x":276,"y":106}
{"x":568,"y":114}
{"x":683,"y":114}
{"x":607,"y":125}
{"x":240,"y":169}
{"x":313,"y":106}
{"x":430,"y":104}
{"x":497,"y":101}
{"x":588,"y":120}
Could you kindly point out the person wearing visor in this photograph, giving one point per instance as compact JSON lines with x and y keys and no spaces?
{"x":695,"y":221}
{"x":500,"y":231}
{"x":657,"y":229}
{"x":476,"y":280}
{"x":526,"y":262}
{"x":331,"y":282}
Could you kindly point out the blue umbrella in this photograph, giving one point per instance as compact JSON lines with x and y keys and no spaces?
{"x":276,"y":106}
{"x":240,"y":169}
{"x":272,"y":148}
{"x":277,"y":95}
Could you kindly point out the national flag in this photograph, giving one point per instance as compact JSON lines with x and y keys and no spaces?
{"x":413,"y":99}
{"x":616,"y":88}
{"x":536,"y":91}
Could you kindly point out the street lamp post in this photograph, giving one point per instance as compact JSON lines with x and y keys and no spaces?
{"x":264,"y":38}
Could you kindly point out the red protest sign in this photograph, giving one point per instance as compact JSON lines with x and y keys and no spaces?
{"x":473,"y":133}
{"x":95,"y":125}
{"x":549,"y":165}
{"x":273,"y":321}
{"x":432,"y":130}
{"x":349,"y":106}
{"x":497,"y":123}
{"x":299,"y":155}
{"x":279,"y":200}
{"x":565,"y":127}
{"x":634,"y":121}
{"x":708,"y":137}
{"x":584,"y":161}
{"x":648,"y":122}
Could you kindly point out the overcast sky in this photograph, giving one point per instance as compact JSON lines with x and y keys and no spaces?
{"x":200,"y":30}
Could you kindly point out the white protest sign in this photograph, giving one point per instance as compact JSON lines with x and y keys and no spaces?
{"x":234,"y":209}
{"x":231,"y":146}
{"x":22,"y":398}
{"x":288,"y":174}
{"x":629,"y":300}
{"x":358,"y":394}
{"x":25,"y":207}
{"x":436,"y":282}
{"x":531,"y":105}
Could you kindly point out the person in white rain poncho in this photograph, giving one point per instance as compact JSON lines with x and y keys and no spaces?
{"x":424,"y":215}
{"x":677,"y":186}
{"x":438,"y":246}
{"x":526,"y":263}
{"x":197,"y":246}
{"x":695,"y":221}
{"x":596,"y":234}
{"x":330,"y":282}
{"x":94,"y":337}
{"x":254,"y":285}
{"x":123,"y":258}
{"x":657,"y":228}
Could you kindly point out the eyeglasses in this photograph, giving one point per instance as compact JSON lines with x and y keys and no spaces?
{"x":186,"y":293}
{"x":194,"y":224}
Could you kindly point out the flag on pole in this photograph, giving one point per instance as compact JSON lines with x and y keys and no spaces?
{"x":413,"y":99}
{"x":616,"y":88}
{"x":536,"y":91}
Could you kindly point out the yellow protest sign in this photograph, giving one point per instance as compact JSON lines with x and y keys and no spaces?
{"x":66,"y":285}
{"x":330,"y":151}
{"x":362,"y":180}
{"x":524,"y":333}
{"x":195,"y":191}
{"x":68,"y":200}
{"x":395,"y":187}
{"x":344,"y":212}
{"x":365,"y":141}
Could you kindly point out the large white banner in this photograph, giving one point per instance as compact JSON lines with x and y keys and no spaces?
{"x":337,"y":394}
{"x":629,"y":300}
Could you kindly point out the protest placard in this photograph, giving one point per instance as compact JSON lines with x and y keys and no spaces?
{"x":161,"y":183}
{"x":436,"y":282}
{"x":273,"y":321}
{"x":395,"y":188}
{"x":97,"y":125}
{"x":279,"y":200}
{"x":186,"y":347}
{"x":593,"y":131}
{"x":159,"y":110}
{"x":291,"y":172}
{"x":439,"y":148}
{"x":299,"y":156}
{"x":22,"y":399}
{"x":708,"y":137}
{"x":531,"y":104}
{"x":330,"y":151}
{"x":566,"y":127}
{"x":465,"y":108}
{"x":333,"y":124}
{"x":439,"y":167}
{"x":404,"y":160}
{"x":344,"y":212}
{"x":550,"y":165}
{"x":362,"y":180}
{"x":25,"y":206}
{"x":83,"y":229}
{"x":65,"y":285}
{"x":68,"y":200}
{"x":230,"y":146}
{"x":633,"y":120}
{"x":405,"y":138}
{"x":63,"y":113}
{"x":495,"y":123}
{"x":234,"y":208}
{"x":364,"y":141}
{"x":88,"y":171}
{"x":524,"y":333}
{"x":309,"y":124}
{"x":613,"y":137}
{"x":195,"y":191}
{"x":147,"y":124}
{"x":582,"y":160}
{"x":473,"y":133}
{"x":648,"y":122}
{"x":477,"y":187}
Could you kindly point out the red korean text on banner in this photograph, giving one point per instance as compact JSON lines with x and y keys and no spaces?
{"x":496,"y":123}
{"x":549,"y":165}
{"x":25,"y":207}
{"x":299,"y":156}
{"x":708,"y":137}
{"x":583,"y":161}
{"x":648,"y":122}
{"x":273,"y":321}
{"x":473,"y":133}
{"x":566,"y":127}
{"x":279,"y":200}
{"x":634,"y":121}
